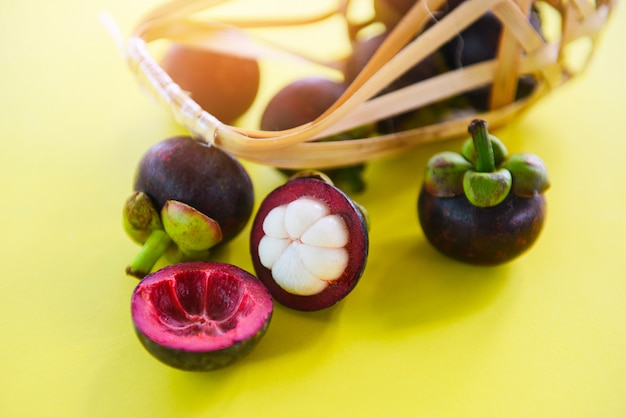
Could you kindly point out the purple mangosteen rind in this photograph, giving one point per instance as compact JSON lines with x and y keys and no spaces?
{"x":200,"y":316}
{"x":481,"y":236}
{"x":480,"y":206}
{"x":358,"y":245}
{"x":201,"y":361}
{"x":220,"y":188}
{"x":202,"y":197}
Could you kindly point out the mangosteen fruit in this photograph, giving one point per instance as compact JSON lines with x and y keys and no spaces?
{"x":302,"y":101}
{"x":363,"y":49}
{"x":431,"y":66}
{"x":480,"y":42}
{"x":222,"y":84}
{"x":309,"y":243}
{"x":200,"y":316}
{"x":189,"y":195}
{"x":481,"y":206}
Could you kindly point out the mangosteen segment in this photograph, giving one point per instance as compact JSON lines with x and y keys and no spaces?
{"x":301,"y":214}
{"x":304,"y":246}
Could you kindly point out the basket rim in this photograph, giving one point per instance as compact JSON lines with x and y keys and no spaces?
{"x":522,"y":51}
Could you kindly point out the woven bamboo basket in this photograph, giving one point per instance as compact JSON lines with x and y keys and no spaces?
{"x":522,"y":51}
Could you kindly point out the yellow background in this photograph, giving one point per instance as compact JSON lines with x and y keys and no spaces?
{"x":543,"y":336}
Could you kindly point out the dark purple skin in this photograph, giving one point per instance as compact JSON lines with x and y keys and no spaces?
{"x":432,"y":65}
{"x":364,"y":50}
{"x":480,"y":42}
{"x":300,"y":102}
{"x":199,"y":175}
{"x":481,"y":236}
{"x":358,"y":245}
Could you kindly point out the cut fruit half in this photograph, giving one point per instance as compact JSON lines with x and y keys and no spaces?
{"x":200,"y":316}
{"x":309,"y":244}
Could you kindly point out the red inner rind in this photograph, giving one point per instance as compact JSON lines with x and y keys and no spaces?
{"x":200,"y":306}
{"x":357,"y":246}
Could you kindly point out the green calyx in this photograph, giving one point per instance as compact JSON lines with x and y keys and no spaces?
{"x":468,"y":150}
{"x":444,"y":174}
{"x":530,"y":175}
{"x":193,"y":232}
{"x":483,"y":172}
{"x":487,"y":189}
{"x":139,"y":217}
{"x":181,"y":231}
{"x":485,"y":186}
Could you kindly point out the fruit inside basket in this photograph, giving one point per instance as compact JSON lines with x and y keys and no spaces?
{"x":397,"y":74}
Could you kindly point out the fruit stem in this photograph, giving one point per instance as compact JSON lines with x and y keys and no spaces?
{"x":152,"y":250}
{"x":485,"y":160}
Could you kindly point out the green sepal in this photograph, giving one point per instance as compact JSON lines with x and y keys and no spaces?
{"x":140,"y":217}
{"x":530,"y":175}
{"x":468,"y":150}
{"x":486,"y":189}
{"x":444,"y":173}
{"x":192,"y":231}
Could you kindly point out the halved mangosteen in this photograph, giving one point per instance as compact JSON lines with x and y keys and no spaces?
{"x":309,"y":244}
{"x":200,"y":316}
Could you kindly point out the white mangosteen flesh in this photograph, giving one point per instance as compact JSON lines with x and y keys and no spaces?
{"x":304,"y":246}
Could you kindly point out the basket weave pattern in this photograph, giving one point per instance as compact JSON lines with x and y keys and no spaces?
{"x":522,"y":51}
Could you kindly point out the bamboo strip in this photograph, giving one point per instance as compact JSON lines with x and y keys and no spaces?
{"x":522,"y":51}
